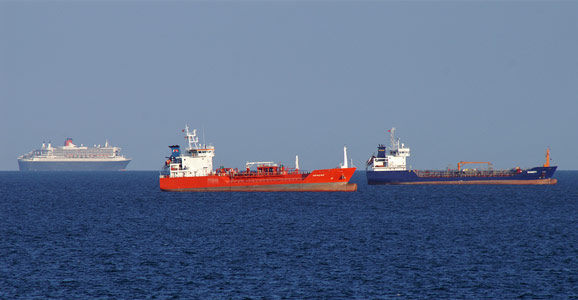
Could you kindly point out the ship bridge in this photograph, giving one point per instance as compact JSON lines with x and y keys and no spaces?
{"x":392,"y":158}
{"x":198,"y":160}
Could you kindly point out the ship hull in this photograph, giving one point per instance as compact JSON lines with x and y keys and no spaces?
{"x":329,"y":180}
{"x":534,"y":176}
{"x":73,"y":165}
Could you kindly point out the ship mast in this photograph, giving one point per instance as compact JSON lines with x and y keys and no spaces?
{"x":394,"y":145}
{"x":547,"y":164}
{"x":344,"y":165}
{"x":192,"y":138}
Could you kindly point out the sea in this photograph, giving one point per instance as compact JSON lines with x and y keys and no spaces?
{"x":115,"y":235}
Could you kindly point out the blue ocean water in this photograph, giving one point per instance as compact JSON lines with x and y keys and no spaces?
{"x":117,"y":236}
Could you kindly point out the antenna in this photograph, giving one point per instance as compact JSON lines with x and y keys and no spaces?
{"x":204,"y":144}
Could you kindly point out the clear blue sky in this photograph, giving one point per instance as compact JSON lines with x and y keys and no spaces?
{"x":477,"y":80}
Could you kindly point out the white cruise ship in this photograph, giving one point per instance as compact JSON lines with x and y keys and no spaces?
{"x":71,"y":157}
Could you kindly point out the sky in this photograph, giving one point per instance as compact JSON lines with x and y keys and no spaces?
{"x":267,"y":80}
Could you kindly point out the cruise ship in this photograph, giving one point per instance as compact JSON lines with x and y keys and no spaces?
{"x":71,"y":157}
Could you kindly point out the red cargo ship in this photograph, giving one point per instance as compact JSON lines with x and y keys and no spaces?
{"x":193,"y":171}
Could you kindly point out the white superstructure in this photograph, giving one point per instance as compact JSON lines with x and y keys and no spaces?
{"x":73,"y":153}
{"x":196,"y":161}
{"x":71,"y":157}
{"x":390,"y":159}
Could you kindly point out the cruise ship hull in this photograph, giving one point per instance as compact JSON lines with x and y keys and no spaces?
{"x":328,"y":180}
{"x":538,"y":176}
{"x":61,"y":165}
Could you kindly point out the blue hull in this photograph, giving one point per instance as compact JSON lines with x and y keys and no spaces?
{"x":73,"y":166}
{"x":538,"y":175}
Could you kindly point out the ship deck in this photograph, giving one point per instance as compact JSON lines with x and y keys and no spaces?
{"x":463,"y":174}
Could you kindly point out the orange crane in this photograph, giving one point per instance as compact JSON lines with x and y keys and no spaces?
{"x":461,"y":163}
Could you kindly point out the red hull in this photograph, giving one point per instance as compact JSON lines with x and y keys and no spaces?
{"x":329,"y":180}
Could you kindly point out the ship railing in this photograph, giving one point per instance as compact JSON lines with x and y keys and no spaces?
{"x":254,"y":174}
{"x":265,"y":180}
{"x":463,"y":174}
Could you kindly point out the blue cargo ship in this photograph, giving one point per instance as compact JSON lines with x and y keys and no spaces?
{"x":389,"y":167}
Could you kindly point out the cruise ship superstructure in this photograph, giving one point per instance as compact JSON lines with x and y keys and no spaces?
{"x":71,"y":157}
